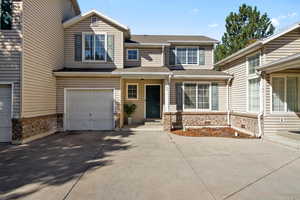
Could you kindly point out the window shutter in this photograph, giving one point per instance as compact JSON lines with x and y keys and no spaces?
{"x":172,"y":56}
{"x":110,"y":48}
{"x":179,"y":96}
{"x":215,"y":96}
{"x":78,"y":46}
{"x":201,"y":56}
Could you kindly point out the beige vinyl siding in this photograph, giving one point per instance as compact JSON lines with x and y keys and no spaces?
{"x":90,"y":82}
{"x":283,"y":46}
{"x":209,"y":64}
{"x":274,"y":123}
{"x":10,"y":55}
{"x":148,"y":57}
{"x":43,"y":52}
{"x":102,"y":27}
{"x":139,"y":115}
{"x":238,"y":89}
{"x":221,"y":86}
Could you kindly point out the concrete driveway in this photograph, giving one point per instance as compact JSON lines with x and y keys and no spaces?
{"x":148,"y":165}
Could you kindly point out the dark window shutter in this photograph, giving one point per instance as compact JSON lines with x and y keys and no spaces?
{"x":179,"y":96}
{"x":215,"y":96}
{"x":110,"y":48}
{"x":6,"y":14}
{"x":78,"y":46}
{"x":201,"y":56}
{"x":172,"y":56}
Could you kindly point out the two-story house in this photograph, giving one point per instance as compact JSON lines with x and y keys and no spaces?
{"x":63,"y":70}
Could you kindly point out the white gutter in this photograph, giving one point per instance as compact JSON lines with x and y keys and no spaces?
{"x":127,"y":44}
{"x":261,"y":112}
{"x":83,"y":74}
{"x":228,"y":102}
{"x":193,"y":41}
{"x":204,"y":76}
{"x":141,"y":73}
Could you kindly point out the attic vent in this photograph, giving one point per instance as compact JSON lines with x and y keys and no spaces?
{"x":94,"y":21}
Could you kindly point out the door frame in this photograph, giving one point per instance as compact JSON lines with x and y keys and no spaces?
{"x":160,"y":98}
{"x":65,"y":102}
{"x":11,"y":102}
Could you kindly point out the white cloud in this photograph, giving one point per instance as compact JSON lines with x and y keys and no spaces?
{"x":213,"y":25}
{"x":276,"y":21}
{"x":195,"y":10}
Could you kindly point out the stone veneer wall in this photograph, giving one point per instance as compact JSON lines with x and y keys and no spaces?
{"x":244,"y":122}
{"x":183,"y":119}
{"x":28,"y":127}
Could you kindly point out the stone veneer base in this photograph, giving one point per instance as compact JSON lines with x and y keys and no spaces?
{"x":245,"y":123}
{"x":28,"y":129}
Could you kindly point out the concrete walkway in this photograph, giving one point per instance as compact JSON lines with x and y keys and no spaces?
{"x":148,"y":165}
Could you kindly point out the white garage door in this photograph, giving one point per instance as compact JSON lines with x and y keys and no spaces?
{"x":5,"y":113}
{"x":89,"y":110}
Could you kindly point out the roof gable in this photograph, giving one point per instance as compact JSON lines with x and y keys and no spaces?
{"x":81,"y":17}
{"x":256,"y":45}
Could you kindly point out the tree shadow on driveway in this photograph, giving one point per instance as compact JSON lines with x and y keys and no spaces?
{"x":56,"y":159}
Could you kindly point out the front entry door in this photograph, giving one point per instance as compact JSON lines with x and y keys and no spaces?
{"x":153,"y":101}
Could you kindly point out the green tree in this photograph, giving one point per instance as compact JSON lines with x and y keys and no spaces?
{"x":243,"y":28}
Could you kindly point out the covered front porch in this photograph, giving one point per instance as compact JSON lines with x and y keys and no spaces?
{"x":282,"y":99}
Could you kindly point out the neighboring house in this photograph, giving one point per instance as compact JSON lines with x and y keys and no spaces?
{"x":265,"y":90}
{"x":62,"y":70}
{"x":31,"y":47}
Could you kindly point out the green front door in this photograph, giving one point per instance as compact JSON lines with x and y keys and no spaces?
{"x":153,"y":101}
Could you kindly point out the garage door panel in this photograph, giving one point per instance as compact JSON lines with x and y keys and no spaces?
{"x":90,"y":109}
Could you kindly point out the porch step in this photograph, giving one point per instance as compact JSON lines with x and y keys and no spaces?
{"x":153,"y":122}
{"x":143,"y":128}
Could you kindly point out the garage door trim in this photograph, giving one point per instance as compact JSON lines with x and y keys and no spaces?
{"x":11,"y":84}
{"x":65,"y":101}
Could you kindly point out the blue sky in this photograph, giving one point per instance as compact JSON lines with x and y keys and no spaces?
{"x":188,"y":17}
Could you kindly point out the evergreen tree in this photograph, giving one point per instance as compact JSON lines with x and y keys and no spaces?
{"x":242,"y":29}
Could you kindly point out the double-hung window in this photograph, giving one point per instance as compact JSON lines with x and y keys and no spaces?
{"x":5,"y":14}
{"x":187,"y":55}
{"x":285,"y":93}
{"x":95,"y":46}
{"x":196,"y":96}
{"x":253,"y":83}
{"x":132,"y":91}
{"x":132,"y":54}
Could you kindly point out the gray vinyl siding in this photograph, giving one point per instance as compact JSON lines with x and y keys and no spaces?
{"x":10,"y":56}
{"x":102,"y":83}
{"x":222,"y":91}
{"x":208,"y":57}
{"x":148,"y":57}
{"x":283,"y":46}
{"x":43,"y":52}
{"x":85,"y":26}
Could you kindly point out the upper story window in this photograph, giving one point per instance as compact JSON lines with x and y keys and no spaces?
{"x":6,"y":14}
{"x":94,"y":47}
{"x":132,"y":54}
{"x":187,"y":55}
{"x":253,"y":63}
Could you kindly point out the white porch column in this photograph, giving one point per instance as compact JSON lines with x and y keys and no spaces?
{"x":167,"y":94}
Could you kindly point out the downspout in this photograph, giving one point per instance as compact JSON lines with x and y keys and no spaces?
{"x":228,"y":101}
{"x":261,"y":112}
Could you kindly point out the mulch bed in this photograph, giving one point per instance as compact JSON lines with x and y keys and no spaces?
{"x":213,"y":132}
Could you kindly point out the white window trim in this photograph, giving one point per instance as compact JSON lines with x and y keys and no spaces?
{"x":83,"y":46}
{"x":197,"y":109}
{"x":285,"y":93}
{"x":137,"y":53}
{"x":137,"y":91}
{"x":186,"y":54}
{"x":250,"y":77}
